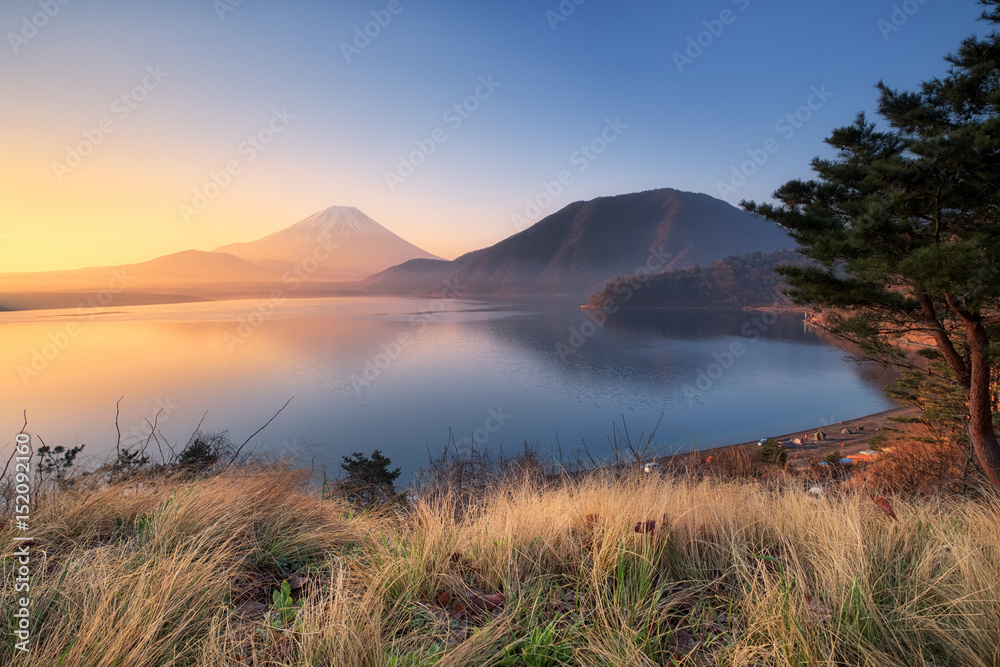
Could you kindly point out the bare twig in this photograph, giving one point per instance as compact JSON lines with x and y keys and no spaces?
{"x":173,"y":454}
{"x":118,"y":443}
{"x":152,"y":430}
{"x":198,"y":427}
{"x":590,"y":456}
{"x":8,"y":462}
{"x":38,"y":471}
{"x":6,"y":467}
{"x":240,"y":449}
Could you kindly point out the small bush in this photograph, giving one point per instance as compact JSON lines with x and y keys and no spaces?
{"x":877,"y":441}
{"x":369,"y":480}
{"x":57,"y":461}
{"x":126,"y":464}
{"x":464,"y":473}
{"x":204,"y":450}
{"x":771,"y":453}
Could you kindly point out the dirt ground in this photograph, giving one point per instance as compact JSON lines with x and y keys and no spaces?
{"x":800,"y":456}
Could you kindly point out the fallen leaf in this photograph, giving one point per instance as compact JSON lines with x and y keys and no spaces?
{"x":819,"y":608}
{"x":494,"y":601}
{"x":298,"y":583}
{"x":444,"y":599}
{"x":251,"y":608}
{"x":487,"y":602}
{"x":884,"y":505}
{"x":647,"y":526}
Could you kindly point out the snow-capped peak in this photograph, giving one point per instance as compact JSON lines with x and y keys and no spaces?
{"x":337,"y":222}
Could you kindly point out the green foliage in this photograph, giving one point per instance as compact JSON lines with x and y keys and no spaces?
{"x":143,"y":525}
{"x":771,"y":452}
{"x":541,"y":648}
{"x":943,"y":408}
{"x":204,"y":450}
{"x":833,"y":459}
{"x":284,"y":609}
{"x":127,"y":464}
{"x":877,"y":441}
{"x":291,"y":557}
{"x":734,"y":282}
{"x":857,"y":616}
{"x":369,"y":480}
{"x":56,"y":461}
{"x":431,"y":656}
{"x":904,"y":225}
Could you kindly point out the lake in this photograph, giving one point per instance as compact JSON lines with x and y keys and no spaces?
{"x":398,"y":373}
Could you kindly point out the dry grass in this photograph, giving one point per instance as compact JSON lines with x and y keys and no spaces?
{"x":912,"y":465}
{"x":730,"y":573}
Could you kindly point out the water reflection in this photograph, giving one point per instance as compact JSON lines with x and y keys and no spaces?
{"x":397,"y":374}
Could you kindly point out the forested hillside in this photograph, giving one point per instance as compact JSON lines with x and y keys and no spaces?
{"x":734,"y":282}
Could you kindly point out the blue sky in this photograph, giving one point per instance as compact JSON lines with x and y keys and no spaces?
{"x":560,"y":76}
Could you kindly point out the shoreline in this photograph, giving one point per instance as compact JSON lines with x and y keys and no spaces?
{"x":800,"y":456}
{"x":739,"y":309}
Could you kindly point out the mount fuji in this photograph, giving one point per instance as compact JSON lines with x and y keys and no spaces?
{"x":331,"y":251}
{"x":347,"y":244}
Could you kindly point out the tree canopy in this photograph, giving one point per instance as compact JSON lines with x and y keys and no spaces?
{"x":905,"y":226}
{"x":369,"y":480}
{"x":741,"y":281}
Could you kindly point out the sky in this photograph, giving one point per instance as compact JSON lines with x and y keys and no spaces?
{"x":136,"y":129}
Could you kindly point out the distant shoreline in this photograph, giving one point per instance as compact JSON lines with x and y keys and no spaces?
{"x":771,"y":308}
{"x":20,"y":302}
{"x":861,"y":429}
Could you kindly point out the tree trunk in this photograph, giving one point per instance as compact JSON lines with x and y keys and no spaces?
{"x":981,"y":431}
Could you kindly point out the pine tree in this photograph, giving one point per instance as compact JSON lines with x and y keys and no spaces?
{"x":369,"y":480}
{"x":905,"y":224}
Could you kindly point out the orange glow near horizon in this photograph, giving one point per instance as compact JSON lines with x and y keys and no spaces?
{"x":157,"y":96}
{"x":115,"y":214}
{"x":118,"y":207}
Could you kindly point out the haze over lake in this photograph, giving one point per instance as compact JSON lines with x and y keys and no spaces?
{"x":397,"y":373}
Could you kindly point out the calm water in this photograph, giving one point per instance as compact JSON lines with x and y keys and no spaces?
{"x":397,"y":374}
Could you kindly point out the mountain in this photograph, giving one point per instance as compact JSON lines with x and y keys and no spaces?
{"x":195,"y":267}
{"x":580,"y":248}
{"x":340,"y":243}
{"x":318,"y":256}
{"x":417,"y":276}
{"x":745,"y":281}
{"x":188,"y":268}
{"x":315,"y":257}
{"x":190,"y":275}
{"x":576,"y":251}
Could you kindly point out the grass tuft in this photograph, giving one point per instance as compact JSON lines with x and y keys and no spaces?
{"x":252,"y":567}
